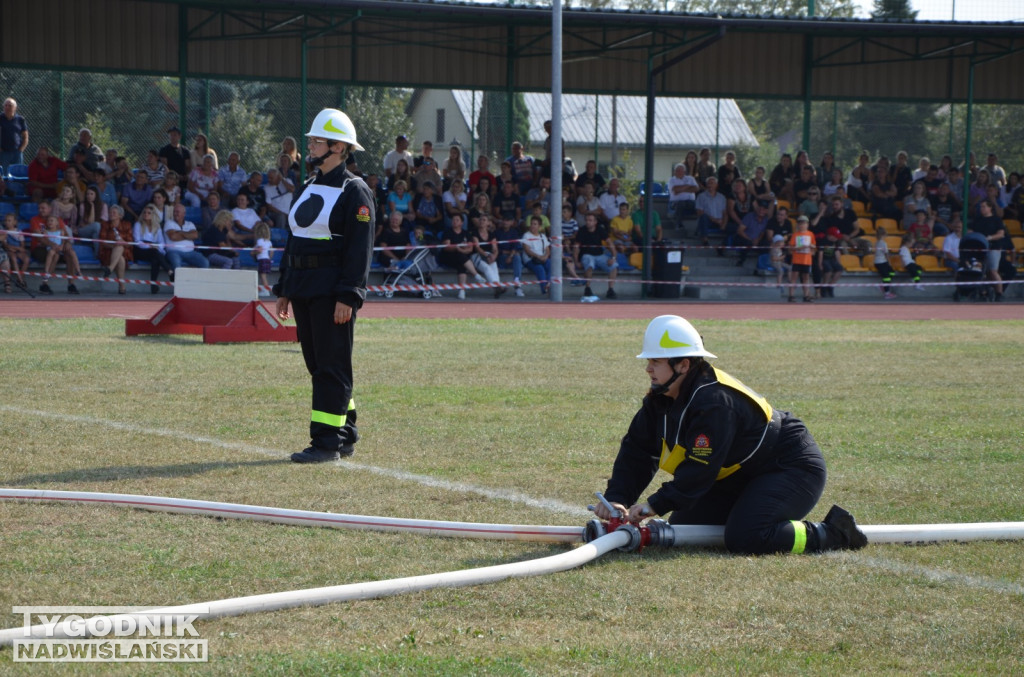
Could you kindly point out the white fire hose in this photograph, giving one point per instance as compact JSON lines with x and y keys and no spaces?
{"x":627,"y":537}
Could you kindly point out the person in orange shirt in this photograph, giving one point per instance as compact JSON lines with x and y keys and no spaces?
{"x":801,"y":243}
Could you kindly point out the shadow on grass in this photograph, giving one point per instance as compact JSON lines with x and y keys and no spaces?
{"x":121,"y":472}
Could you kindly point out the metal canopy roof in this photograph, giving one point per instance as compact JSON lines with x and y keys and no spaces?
{"x":471,"y":46}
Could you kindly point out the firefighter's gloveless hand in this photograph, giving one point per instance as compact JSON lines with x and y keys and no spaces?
{"x":342,"y":313}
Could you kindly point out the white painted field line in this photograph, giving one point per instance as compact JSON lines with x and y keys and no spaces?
{"x":424,"y":480}
{"x":933,"y":575}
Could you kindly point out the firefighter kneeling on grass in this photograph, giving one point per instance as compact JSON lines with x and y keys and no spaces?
{"x":323,"y":278}
{"x":734,"y":460}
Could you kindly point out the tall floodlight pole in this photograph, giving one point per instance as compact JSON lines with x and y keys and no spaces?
{"x":555,"y":154}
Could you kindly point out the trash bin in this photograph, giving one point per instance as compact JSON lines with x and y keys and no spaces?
{"x":667,"y":266}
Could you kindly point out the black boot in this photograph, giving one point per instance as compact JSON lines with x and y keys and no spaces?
{"x":838,"y":531}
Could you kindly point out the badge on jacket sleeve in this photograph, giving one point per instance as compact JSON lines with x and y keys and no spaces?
{"x":363,"y":214}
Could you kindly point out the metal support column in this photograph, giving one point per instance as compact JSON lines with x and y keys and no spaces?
{"x":183,"y":70}
{"x":556,"y":151}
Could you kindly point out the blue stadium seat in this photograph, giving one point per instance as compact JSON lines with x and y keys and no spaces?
{"x":28,"y":210}
{"x":194,"y":214}
{"x":7,"y":208}
{"x":278,"y":236}
{"x":86,"y":257}
{"x":18,"y":172}
{"x":623,"y":261}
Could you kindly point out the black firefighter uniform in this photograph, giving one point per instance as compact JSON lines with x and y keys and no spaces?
{"x":327,"y":259}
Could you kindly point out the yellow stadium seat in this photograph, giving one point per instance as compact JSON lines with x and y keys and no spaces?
{"x":891,"y":225}
{"x":938,"y":241}
{"x":893,"y":242}
{"x":1013,"y":227}
{"x":930,"y":264}
{"x":868,"y":261}
{"x":851,"y":263}
{"x":636,"y":259}
{"x":859,"y":208}
{"x":866,"y":224}
{"x":896,"y":262}
{"x":784,"y":203}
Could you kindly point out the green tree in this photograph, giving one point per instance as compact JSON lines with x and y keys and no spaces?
{"x":493,"y":129}
{"x":239,"y":126}
{"x":894,"y":10}
{"x":378,"y":114}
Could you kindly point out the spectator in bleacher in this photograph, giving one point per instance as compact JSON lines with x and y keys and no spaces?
{"x":154,"y":169}
{"x":921,"y":233}
{"x":399,"y":152}
{"x":485,"y":252}
{"x":996,"y":174}
{"x":93,"y":153}
{"x":803,"y":184}
{"x":291,"y":149}
{"x":109,"y":161}
{"x":725,"y":178}
{"x":956,"y":182}
{"x":690,"y":162}
{"x":484,"y":187}
{"x":200,"y":149}
{"x":36,"y":226}
{"x":400,"y":200}
{"x":395,"y":234}
{"x":78,"y":163}
{"x":509,"y":250}
{"x":917,"y":199}
{"x":115,"y":246}
{"x":508,"y":204}
{"x":824,"y":171}
{"x":947,"y":210}
{"x":711,"y":210}
{"x":230,"y":179}
{"x":640,"y":222}
{"x":253,"y":189}
{"x":72,"y":179}
{"x":736,"y":209}
{"x":284,"y":168}
{"x":923,"y":165}
{"x":570,"y":255}
{"x":969,"y":169}
{"x":456,"y":252}
{"x":210,"y":210}
{"x":945,"y":164}
{"x":1006,"y":191}
{"x":783,"y":226}
{"x":705,"y":167}
{"x":426,"y":152}
{"x":932,"y":181}
{"x":812,"y":204}
{"x":426,"y":173}
{"x":454,"y":200}
{"x":482,"y":171}
{"x":148,"y":244}
{"x":595,"y":251}
{"x":834,"y":184}
{"x":623,"y":231}
{"x":759,"y":188}
{"x":901,"y":175}
{"x":992,"y":195}
{"x":992,"y":228}
{"x":172,"y":186}
{"x":277,"y":195}
{"x":978,"y":190}
{"x":858,"y":183}
{"x":164,"y":208}
{"x":105,"y":189}
{"x":610,"y":201}
{"x":14,"y":245}
{"x":730,"y":165}
{"x":828,"y":262}
{"x":537,"y":252}
{"x":481,"y":207}
{"x":219,"y":242}
{"x":122,"y":174}
{"x":755,"y":233}
{"x":539,"y":194}
{"x":590,"y":175}
{"x":524,"y":168}
{"x":92,"y":212}
{"x":453,"y":167}
{"x":402,"y":173}
{"x":782,"y":177}
{"x":951,"y":249}
{"x":203,"y":180}
{"x":1015,"y":206}
{"x":43,"y":175}
{"x":883,"y":195}
{"x":845,"y":221}
{"x":13,"y":136}
{"x":180,"y":235}
{"x":57,"y":241}
{"x":174,"y":156}
{"x":429,"y":208}
{"x":245,"y":219}
{"x":65,"y":207}
{"x":682,"y":195}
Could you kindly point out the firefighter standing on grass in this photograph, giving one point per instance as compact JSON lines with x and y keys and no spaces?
{"x":734,"y":460}
{"x":323,"y":278}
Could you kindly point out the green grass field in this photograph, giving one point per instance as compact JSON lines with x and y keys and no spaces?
{"x":920,"y":422}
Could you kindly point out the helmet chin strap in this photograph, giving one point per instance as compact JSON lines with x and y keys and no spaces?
{"x":662,"y":388}
{"x":317,"y":161}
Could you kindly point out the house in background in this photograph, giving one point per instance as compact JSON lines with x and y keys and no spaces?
{"x":593,"y":127}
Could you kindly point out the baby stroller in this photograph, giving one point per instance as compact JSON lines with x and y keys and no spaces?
{"x":414,"y":269}
{"x":971,"y":269}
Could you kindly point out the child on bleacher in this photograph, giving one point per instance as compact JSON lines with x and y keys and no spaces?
{"x":57,"y":240}
{"x":263,"y":253}
{"x":801,"y":242}
{"x":16,"y":249}
{"x":778,"y":258}
{"x":882,"y":262}
{"x":569,"y":229}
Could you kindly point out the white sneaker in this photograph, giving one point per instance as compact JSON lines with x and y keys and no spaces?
{"x":462,"y":294}
{"x":519,"y":291}
{"x":480,"y":279}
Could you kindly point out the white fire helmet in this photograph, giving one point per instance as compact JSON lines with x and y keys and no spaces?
{"x":672,"y":336}
{"x":331,"y":123}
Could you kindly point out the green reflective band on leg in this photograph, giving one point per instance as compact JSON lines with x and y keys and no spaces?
{"x":335,"y":420}
{"x":351,"y":404}
{"x":799,"y":536}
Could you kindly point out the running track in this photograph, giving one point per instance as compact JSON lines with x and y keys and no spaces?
{"x":56,"y":308}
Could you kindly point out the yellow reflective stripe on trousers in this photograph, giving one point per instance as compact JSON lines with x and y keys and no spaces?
{"x":799,"y":536}
{"x":336,"y":420}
